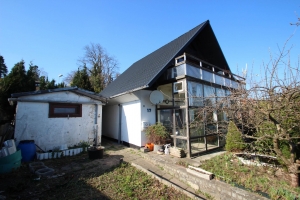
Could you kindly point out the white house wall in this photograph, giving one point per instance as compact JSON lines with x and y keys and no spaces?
{"x":32,"y":122}
{"x":148,"y":112}
{"x":138,"y":108}
{"x":111,"y":121}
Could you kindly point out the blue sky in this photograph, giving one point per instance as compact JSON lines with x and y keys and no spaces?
{"x":52,"y":34}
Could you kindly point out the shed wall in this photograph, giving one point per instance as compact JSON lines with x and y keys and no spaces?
{"x":32,"y":122}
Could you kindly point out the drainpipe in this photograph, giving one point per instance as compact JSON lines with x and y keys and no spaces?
{"x":96,"y":124}
{"x":120,"y":123}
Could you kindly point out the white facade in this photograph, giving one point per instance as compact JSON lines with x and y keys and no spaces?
{"x":131,"y":110}
{"x":33,"y":122}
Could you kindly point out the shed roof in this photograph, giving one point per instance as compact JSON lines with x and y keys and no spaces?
{"x":75,"y":90}
{"x":143,"y":73}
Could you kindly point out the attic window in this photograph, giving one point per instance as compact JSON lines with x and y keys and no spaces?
{"x":64,"y":110}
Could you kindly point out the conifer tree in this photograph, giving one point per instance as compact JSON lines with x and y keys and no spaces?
{"x":234,"y":140}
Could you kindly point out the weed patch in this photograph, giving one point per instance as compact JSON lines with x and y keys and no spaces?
{"x":263,"y":180}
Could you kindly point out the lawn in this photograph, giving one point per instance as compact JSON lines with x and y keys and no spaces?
{"x":89,"y":182}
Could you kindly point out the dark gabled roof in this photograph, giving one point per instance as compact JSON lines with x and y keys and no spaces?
{"x":71,"y":89}
{"x":143,"y":73}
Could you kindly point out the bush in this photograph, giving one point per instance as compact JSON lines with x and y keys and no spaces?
{"x":157,"y":133}
{"x":234,"y":140}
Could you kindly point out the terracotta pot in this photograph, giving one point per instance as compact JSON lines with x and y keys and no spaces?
{"x":150,"y":146}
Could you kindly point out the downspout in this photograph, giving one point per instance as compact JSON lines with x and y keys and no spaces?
{"x":120,"y":123}
{"x":96,"y":124}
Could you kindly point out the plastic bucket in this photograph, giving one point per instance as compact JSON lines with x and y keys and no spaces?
{"x":28,"y":150}
{"x":9,"y":162}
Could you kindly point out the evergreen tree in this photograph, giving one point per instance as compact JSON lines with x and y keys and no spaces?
{"x":81,"y":79}
{"x":3,"y":68}
{"x":43,"y":83}
{"x":17,"y":78}
{"x":234,"y":140}
{"x":32,"y":76}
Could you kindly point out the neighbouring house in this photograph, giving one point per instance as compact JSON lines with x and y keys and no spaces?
{"x":63,"y":116}
{"x":161,"y":88}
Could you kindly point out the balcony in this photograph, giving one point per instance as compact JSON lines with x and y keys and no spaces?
{"x":187,"y":65}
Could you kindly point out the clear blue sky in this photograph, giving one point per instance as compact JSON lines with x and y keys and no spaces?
{"x":52,"y":34}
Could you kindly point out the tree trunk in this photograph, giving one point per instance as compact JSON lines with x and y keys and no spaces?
{"x":294,"y":175}
{"x":294,"y":180}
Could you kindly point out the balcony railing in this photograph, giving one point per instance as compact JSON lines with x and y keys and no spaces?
{"x":187,"y":65}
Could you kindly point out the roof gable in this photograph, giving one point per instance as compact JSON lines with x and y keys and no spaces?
{"x":143,"y":73}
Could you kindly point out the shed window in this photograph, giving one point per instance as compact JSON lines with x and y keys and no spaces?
{"x":65,"y":110}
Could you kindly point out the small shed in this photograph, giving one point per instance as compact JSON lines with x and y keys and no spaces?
{"x":63,"y":116}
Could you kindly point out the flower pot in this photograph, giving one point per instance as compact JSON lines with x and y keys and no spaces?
{"x":46,"y":155}
{"x":60,"y":154}
{"x":157,"y":147}
{"x":150,"y":146}
{"x":67,"y":152}
{"x":95,"y":153}
{"x":55,"y":154}
{"x":71,"y":152}
{"x":39,"y":156}
{"x":78,"y":151}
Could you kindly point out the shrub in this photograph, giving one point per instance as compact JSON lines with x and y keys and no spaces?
{"x":157,"y":133}
{"x":234,"y":140}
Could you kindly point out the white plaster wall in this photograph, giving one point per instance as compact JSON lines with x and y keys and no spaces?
{"x":136,"y":107}
{"x":32,"y":122}
{"x":111,"y":121}
{"x":145,"y":115}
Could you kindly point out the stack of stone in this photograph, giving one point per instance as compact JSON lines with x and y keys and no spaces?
{"x":177,"y":152}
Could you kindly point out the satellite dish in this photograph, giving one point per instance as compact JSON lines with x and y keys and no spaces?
{"x":156,"y":97}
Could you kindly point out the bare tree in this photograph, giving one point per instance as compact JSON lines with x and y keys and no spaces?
{"x":271,"y":109}
{"x":102,"y":67}
{"x":69,"y":78}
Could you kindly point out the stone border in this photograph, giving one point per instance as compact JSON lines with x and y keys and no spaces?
{"x":167,"y":183}
{"x":217,"y":189}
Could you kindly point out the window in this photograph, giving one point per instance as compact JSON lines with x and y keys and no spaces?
{"x":64,"y":110}
{"x":178,"y":87}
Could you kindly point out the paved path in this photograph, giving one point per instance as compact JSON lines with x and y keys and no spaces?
{"x":166,"y":169}
{"x":153,"y":164}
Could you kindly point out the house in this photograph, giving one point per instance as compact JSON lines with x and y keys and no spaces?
{"x":63,"y":116}
{"x":167,"y":86}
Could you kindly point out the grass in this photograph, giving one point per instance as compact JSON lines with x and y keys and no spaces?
{"x":125,"y":182}
{"x":263,"y":180}
{"x":89,"y":182}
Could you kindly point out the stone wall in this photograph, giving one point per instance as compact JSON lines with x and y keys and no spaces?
{"x":215,"y":188}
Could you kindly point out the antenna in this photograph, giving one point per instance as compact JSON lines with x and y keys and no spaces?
{"x":244,"y":71}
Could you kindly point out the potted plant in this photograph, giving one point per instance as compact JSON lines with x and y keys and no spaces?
{"x":95,"y":152}
{"x":157,"y":134}
{"x":55,"y":152}
{"x":84,"y":145}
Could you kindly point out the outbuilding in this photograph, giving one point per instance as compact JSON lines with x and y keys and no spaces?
{"x":56,"y":117}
